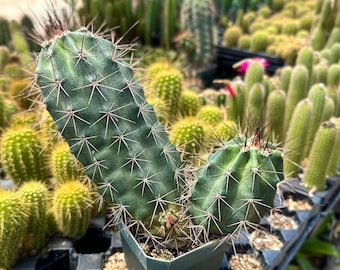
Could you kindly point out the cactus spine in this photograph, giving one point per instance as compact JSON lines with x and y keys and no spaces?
{"x":315,"y":173}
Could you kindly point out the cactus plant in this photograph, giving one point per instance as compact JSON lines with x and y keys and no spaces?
{"x":72,"y":204}
{"x":13,"y":221}
{"x":242,"y":172}
{"x":101,"y":111}
{"x":35,"y":198}
{"x":64,"y":166}
{"x":22,"y":156}
{"x":198,"y":17}
{"x":295,"y":142}
{"x":315,"y":172}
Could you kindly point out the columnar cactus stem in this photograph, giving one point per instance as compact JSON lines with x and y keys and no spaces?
{"x":315,"y":173}
{"x":13,"y":221}
{"x":295,"y":141}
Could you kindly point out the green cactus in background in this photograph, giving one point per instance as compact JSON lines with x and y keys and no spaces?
{"x":72,"y":204}
{"x":274,"y":114}
{"x":319,"y":39}
{"x":244,"y":173}
{"x":306,"y":57}
{"x":317,"y":95}
{"x":64,"y":166}
{"x":295,"y":140}
{"x":333,"y":75}
{"x":285,"y":74}
{"x":328,"y":109}
{"x":4,"y":56}
{"x":297,"y":91}
{"x":189,"y":103}
{"x":334,"y":159}
{"x":34,"y":196}
{"x":198,"y":18}
{"x":319,"y":74}
{"x":21,"y":154}
{"x":5,"y":32}
{"x":168,"y":86}
{"x":255,"y":112}
{"x":101,"y":111}
{"x":315,"y":172}
{"x":13,"y":221}
{"x":253,"y":75}
{"x":231,"y":36}
{"x":210,"y":114}
{"x":333,"y":37}
{"x":236,"y":104}
{"x":20,"y":44}
{"x":188,"y":135}
{"x":244,"y":42}
{"x":259,"y":41}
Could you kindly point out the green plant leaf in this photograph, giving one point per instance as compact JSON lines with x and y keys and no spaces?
{"x":317,"y":246}
{"x":303,"y":261}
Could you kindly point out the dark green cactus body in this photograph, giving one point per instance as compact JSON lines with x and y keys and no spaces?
{"x":101,"y":111}
{"x":238,"y":184}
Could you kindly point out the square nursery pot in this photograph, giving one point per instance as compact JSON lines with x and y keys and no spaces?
{"x":206,"y":257}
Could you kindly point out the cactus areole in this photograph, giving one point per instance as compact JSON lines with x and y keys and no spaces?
{"x":100,"y":109}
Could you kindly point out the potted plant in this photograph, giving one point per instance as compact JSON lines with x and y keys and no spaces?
{"x":156,"y":198}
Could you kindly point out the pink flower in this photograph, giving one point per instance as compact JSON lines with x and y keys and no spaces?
{"x":243,"y":65}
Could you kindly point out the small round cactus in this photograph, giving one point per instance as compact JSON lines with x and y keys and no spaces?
{"x":72,"y":208}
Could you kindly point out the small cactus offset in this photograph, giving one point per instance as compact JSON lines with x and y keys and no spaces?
{"x":13,"y":221}
{"x":72,"y":204}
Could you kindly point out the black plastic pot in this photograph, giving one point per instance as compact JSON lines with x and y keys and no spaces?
{"x":228,"y":56}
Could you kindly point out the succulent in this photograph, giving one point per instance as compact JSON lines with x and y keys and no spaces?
{"x":197,"y":17}
{"x":315,"y":172}
{"x":72,"y":204}
{"x":64,"y":165}
{"x":244,"y":173}
{"x":13,"y":221}
{"x":22,"y":156}
{"x":101,"y":111}
{"x":34,"y":196}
